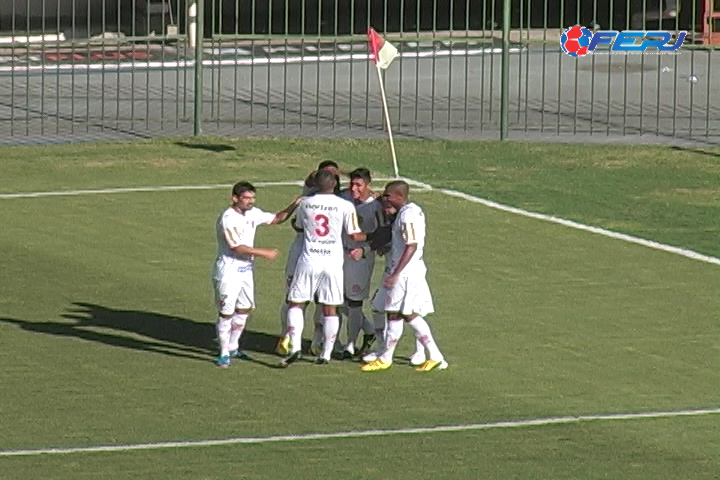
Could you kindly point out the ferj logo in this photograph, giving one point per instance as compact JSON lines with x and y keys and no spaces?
{"x":578,"y":41}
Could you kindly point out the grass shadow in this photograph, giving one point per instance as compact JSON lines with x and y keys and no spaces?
{"x":208,"y":147}
{"x":695,"y":150}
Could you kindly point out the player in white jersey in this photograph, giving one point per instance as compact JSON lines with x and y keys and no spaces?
{"x":360,"y":262}
{"x":405,"y":289}
{"x":309,"y":188}
{"x":233,"y":273}
{"x":319,"y":271}
{"x":381,"y":244}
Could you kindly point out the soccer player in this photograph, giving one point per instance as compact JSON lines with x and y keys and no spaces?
{"x":233,"y":275}
{"x":381,"y":244}
{"x":360,"y":262}
{"x":309,"y":188}
{"x":405,"y":289}
{"x":318,"y":274}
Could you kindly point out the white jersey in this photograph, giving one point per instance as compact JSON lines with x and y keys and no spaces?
{"x":408,"y":229}
{"x":324,"y":218}
{"x":233,"y":229}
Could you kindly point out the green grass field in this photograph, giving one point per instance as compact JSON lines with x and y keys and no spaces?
{"x":106,"y":335}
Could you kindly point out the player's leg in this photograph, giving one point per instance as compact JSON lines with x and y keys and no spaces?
{"x":301,"y":292}
{"x":283,"y":346}
{"x":379,"y":322}
{"x":226,"y":291}
{"x":244,"y":304}
{"x":418,"y":303}
{"x":358,"y":276}
{"x":330,"y":295}
{"x":394,"y":299}
{"x":317,"y":339}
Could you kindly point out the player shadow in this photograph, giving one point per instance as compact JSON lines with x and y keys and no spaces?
{"x":210,"y":147}
{"x":146,"y":331}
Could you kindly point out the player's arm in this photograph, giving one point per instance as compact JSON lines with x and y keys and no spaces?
{"x":411,"y":243}
{"x":405,"y":258}
{"x":234,"y":239}
{"x":285,"y":213}
{"x":268,"y":253}
{"x":352,"y":226}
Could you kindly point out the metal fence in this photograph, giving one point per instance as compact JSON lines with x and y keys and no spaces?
{"x":89,"y":69}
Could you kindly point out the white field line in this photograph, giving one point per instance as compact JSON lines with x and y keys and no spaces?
{"x":111,"y":67}
{"x":569,"y":223}
{"x":166,"y":188}
{"x":422,"y":186}
{"x":362,"y":433}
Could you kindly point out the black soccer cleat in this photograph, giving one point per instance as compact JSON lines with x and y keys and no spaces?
{"x":368,"y":341}
{"x":292,"y":358}
{"x":321,"y":361}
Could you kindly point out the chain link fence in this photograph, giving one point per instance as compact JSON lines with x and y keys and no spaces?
{"x":91,"y":69}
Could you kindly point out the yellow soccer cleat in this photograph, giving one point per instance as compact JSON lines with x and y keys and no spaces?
{"x":315,"y":350}
{"x":431,"y":365}
{"x":376,"y":366}
{"x":283,"y":346}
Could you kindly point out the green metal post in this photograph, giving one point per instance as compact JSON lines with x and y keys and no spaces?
{"x":505,"y":71}
{"x":198,"y":100}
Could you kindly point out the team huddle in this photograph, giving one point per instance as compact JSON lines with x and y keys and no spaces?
{"x":339,"y":234}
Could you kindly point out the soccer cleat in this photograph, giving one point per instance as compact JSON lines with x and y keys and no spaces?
{"x":292,"y":358}
{"x":346,"y":355}
{"x":322,"y":361}
{"x":283,"y":346}
{"x":417,"y":359}
{"x":376,"y":366}
{"x":431,"y":365}
{"x":239,"y":354}
{"x":315,"y":350}
{"x":223,"y":361}
{"x":368,"y":341}
{"x":370,"y":357}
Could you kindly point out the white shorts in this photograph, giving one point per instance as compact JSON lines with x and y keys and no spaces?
{"x":358,"y":275}
{"x":323,"y":283}
{"x":234,"y":292}
{"x":411,"y":294}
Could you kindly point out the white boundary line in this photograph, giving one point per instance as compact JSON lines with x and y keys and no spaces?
{"x":569,"y":223}
{"x":111,"y":67}
{"x":423,"y":186}
{"x":362,"y":433}
{"x":169,"y":188}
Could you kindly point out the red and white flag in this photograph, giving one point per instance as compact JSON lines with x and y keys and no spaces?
{"x":382,"y":51}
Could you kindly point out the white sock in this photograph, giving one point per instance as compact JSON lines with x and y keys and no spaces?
{"x":331,"y":325}
{"x":283,"y":319}
{"x":338,"y":347}
{"x":238,"y":322}
{"x":392,"y":337}
{"x":224,"y":325}
{"x":419,"y":347}
{"x":379,"y":324}
{"x":355,"y":324}
{"x":424,"y":335}
{"x":318,"y":327}
{"x":296,"y":322}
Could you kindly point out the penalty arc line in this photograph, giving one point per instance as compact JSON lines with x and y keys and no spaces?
{"x":363,"y":433}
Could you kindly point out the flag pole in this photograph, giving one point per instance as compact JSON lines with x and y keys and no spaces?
{"x":387,"y":120}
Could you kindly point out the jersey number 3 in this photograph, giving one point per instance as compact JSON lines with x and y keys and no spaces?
{"x":322,"y":228}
